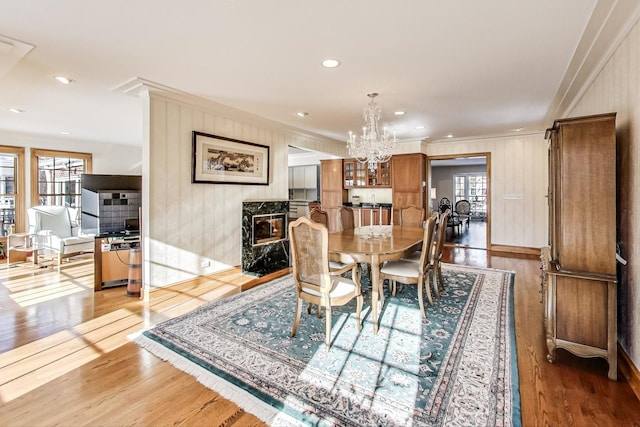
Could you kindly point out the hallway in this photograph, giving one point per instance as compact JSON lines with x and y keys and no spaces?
{"x":474,"y":236}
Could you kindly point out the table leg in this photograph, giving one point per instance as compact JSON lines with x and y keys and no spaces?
{"x":376,"y":289}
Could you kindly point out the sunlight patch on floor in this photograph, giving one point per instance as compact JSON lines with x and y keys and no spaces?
{"x":35,"y":364}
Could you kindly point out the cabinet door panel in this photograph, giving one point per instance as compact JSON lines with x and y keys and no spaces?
{"x":581,"y":311}
{"x":310,"y":176}
{"x":586,"y":197}
{"x":298,"y":177}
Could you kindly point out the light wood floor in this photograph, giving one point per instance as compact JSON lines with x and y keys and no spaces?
{"x":65,"y":358}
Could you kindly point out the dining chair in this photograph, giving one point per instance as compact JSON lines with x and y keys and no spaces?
{"x":335,"y":263}
{"x":462,"y":211}
{"x":435,"y":255}
{"x":416,"y":273}
{"x":444,"y":204}
{"x":411,"y":216}
{"x":315,"y":282}
{"x":347,"y":218}
{"x":319,"y":216}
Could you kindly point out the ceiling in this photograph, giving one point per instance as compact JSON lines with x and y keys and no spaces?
{"x":465,"y":68}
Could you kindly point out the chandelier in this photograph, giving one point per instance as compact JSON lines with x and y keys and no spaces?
{"x":371,"y":147}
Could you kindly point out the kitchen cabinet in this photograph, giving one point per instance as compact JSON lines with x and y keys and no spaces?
{"x":579,"y":283}
{"x":408,"y":181}
{"x":358,"y":175}
{"x":332,"y":192}
{"x":303,"y":182}
{"x":372,"y":216}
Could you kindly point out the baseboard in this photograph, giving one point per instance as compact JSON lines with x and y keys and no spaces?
{"x":266,"y":278}
{"x":515,"y":250}
{"x":248,"y":285}
{"x":629,"y":371}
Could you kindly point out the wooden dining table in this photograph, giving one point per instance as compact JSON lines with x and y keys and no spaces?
{"x":375,"y":245}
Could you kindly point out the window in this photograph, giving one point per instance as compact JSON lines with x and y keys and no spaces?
{"x":11,"y":189}
{"x":55,"y":177}
{"x":472,"y":187}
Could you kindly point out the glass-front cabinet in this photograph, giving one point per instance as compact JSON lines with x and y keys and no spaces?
{"x":349,"y":173}
{"x":381,"y":176}
{"x":357,"y":174}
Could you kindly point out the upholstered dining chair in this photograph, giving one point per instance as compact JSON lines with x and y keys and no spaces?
{"x":435,"y":255}
{"x":411,"y":216}
{"x":444,"y":204}
{"x":319,"y":216}
{"x":347,"y":218}
{"x":315,"y":282}
{"x":416,"y":273}
{"x":462,"y":211}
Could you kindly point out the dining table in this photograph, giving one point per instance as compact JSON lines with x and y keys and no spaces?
{"x":374,"y":245}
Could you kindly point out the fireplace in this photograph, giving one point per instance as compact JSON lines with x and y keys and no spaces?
{"x":269,"y":228}
{"x":265,"y":245}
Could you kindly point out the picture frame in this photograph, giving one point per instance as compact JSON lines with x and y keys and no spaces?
{"x":220,"y":160}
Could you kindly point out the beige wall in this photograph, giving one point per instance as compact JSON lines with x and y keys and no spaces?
{"x":191,"y":224}
{"x":617,"y":89}
{"x":518,"y":170}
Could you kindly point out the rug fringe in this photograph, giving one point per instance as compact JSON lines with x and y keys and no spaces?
{"x":242,"y":398}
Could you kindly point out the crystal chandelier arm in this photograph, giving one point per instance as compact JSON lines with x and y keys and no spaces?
{"x":371,"y":147}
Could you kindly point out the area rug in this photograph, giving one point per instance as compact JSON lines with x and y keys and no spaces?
{"x":457,"y":367}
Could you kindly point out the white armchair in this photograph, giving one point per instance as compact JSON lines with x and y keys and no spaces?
{"x":58,"y":232}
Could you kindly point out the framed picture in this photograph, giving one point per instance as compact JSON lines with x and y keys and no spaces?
{"x":220,"y":160}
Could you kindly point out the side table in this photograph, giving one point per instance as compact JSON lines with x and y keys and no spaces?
{"x":23,"y":242}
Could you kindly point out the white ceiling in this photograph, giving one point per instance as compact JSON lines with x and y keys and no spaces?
{"x":466,"y":67}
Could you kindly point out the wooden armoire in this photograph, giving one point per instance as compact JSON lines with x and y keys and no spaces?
{"x":579,"y":265}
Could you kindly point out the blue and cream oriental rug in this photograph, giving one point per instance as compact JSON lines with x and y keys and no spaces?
{"x":457,"y":367}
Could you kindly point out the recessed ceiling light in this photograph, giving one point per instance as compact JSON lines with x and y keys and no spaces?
{"x":64,"y":80}
{"x":15,"y":110}
{"x":419,"y":127}
{"x":330,"y":63}
{"x":302,"y":114}
{"x":518,"y":129}
{"x":65,"y":133}
{"x":449,"y":136}
{"x":399,"y":113}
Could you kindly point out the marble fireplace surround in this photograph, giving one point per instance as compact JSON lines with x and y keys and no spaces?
{"x":266,"y":258}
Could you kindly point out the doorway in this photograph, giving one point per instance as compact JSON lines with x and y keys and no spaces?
{"x":467,"y":177}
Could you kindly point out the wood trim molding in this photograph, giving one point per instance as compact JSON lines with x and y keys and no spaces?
{"x":629,"y":371}
{"x":205,"y":278}
{"x":487,"y":156}
{"x":20,"y":187}
{"x":515,"y":249}
{"x":37,"y":152}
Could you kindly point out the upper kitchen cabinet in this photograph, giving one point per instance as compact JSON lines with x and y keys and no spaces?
{"x":303,"y":183}
{"x":358,"y":175}
{"x":408,"y":180}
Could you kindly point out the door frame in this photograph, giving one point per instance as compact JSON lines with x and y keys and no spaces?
{"x":487,"y":156}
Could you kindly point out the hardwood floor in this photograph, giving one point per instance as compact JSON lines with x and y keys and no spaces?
{"x":66,"y":359}
{"x":473,"y":235}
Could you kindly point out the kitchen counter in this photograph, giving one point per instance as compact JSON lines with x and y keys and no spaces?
{"x":369,"y":206}
{"x":370,"y":214}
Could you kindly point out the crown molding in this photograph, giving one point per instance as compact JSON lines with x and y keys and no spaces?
{"x":610,"y":22}
{"x":11,"y":52}
{"x":140,"y":87}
